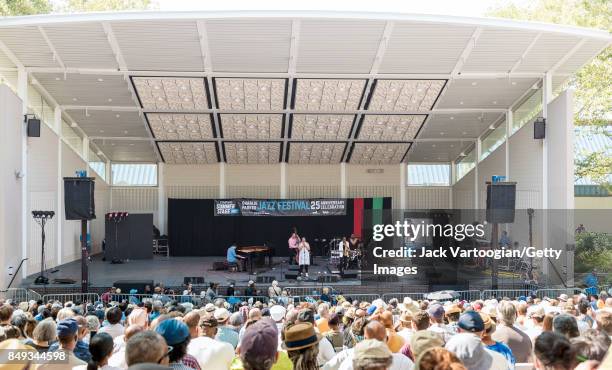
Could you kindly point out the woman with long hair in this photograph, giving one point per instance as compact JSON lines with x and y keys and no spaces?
{"x":101,"y":349}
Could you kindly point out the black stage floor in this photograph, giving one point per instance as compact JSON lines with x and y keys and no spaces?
{"x":171,"y":272}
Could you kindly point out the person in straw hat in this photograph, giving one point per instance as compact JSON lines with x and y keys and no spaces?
{"x":301,"y":343}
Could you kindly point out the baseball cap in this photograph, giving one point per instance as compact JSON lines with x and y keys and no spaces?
{"x":422,"y":340}
{"x":471,"y":321}
{"x":173,"y":331}
{"x":260,"y":341}
{"x":277,"y":313}
{"x":436,"y":311}
{"x":67,"y":328}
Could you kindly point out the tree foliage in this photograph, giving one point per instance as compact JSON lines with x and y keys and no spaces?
{"x":593,"y":251}
{"x":593,"y":82}
{"x":24,"y":7}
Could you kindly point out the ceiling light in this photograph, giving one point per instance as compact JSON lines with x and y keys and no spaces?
{"x":442,"y":133}
{"x":117,"y":115}
{"x":73,"y":124}
{"x":57,"y":78}
{"x":100,"y":152}
{"x":474,"y":83}
{"x":452,"y":118}
{"x":433,"y":145}
{"x":125,"y":131}
{"x":100,"y":80}
{"x":110,"y":100}
{"x":101,"y":131}
{"x":74,"y":99}
{"x":494,"y":101}
{"x":513,"y":83}
{"x":460,"y":103}
{"x":464,"y":133}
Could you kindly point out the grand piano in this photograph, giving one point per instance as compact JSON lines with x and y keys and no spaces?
{"x":253,"y":253}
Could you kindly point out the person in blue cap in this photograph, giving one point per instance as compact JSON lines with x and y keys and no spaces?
{"x":176,"y":334}
{"x":67,"y":337}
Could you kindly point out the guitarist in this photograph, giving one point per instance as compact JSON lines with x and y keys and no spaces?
{"x":294,"y":242}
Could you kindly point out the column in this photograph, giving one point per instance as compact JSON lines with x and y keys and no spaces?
{"x":22,"y":92}
{"x":402,"y":184}
{"x":161,"y":197}
{"x":59,"y":212}
{"x":343,"y":180}
{"x":222,"y":180}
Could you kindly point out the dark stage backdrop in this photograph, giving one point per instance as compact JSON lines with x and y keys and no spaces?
{"x":194,"y":230}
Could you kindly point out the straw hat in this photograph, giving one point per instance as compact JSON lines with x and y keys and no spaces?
{"x":300,"y":336}
{"x":409,"y":305}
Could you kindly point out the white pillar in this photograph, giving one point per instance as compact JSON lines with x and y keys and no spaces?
{"x":59,"y":213}
{"x":22,"y":92}
{"x":343,"y":180}
{"x":453,"y":176}
{"x":508,"y":131}
{"x":85,"y":150}
{"x":283,"y":180}
{"x":546,"y":96}
{"x":402,"y":184}
{"x":222,"y":180}
{"x":478,"y":150}
{"x":161,"y":197}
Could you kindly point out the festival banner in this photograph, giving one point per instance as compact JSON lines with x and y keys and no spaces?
{"x":280,"y":207}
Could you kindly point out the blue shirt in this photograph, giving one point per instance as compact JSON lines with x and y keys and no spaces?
{"x":505,"y":351}
{"x":227,"y":334}
{"x":231,"y":254}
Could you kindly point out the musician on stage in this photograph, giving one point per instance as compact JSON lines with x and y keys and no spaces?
{"x":344,"y":248}
{"x":294,"y":241}
{"x":234,"y":259}
{"x":304,"y":257}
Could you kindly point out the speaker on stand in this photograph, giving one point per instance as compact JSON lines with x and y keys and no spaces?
{"x":501,"y":202}
{"x":79,"y":205}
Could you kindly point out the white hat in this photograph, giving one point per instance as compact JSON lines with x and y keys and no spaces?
{"x":222,"y":314}
{"x":409,"y":305}
{"x":209,"y":307}
{"x":251,"y":282}
{"x":563,"y":297}
{"x":277,"y":313}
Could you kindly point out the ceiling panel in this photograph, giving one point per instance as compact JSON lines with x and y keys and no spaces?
{"x":464,"y":125}
{"x":5,"y":62}
{"x":127,"y":150}
{"x":493,"y":93}
{"x":338,"y":46}
{"x":498,"y":49}
{"x":405,"y":95}
{"x":28,"y":45}
{"x":547,"y":51}
{"x":86,"y":89}
{"x":249,"y":45}
{"x":171,"y":93}
{"x":188,"y":153}
{"x":252,"y":153}
{"x":82,"y":45}
{"x":584,"y":53}
{"x":250,"y":93}
{"x":437,"y":152}
{"x":378,"y":153}
{"x":104,"y":123}
{"x":315,"y":153}
{"x":439,"y":47}
{"x":175,"y":126}
{"x":325,"y":127}
{"x":175,"y":45}
{"x":376,"y":127}
{"x":251,"y":126}
{"x":328,"y":95}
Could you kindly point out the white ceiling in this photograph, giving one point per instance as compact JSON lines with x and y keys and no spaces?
{"x":300,"y":87}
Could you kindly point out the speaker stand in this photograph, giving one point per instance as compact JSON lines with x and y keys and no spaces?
{"x":84,"y":272}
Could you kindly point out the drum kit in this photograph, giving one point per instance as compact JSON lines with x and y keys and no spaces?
{"x":333,"y":249}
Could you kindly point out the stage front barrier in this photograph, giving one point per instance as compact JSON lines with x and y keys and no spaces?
{"x":554,"y":293}
{"x":400,"y":296}
{"x":310,"y":290}
{"x":503,"y":293}
{"x":469,"y":295}
{"x":20,"y":295}
{"x":72,"y":297}
{"x":361,"y":297}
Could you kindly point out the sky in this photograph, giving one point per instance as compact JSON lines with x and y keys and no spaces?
{"x":473,"y":8}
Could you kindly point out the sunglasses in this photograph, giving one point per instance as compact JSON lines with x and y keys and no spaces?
{"x":169,"y":349}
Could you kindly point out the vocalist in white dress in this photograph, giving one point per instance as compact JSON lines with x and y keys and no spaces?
{"x":304,"y":256}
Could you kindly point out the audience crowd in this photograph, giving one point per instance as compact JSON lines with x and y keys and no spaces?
{"x":330,"y":332}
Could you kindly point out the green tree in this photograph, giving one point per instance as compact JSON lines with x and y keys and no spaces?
{"x":24,"y":7}
{"x":593,"y":251}
{"x":593,"y":82}
{"x":75,"y":6}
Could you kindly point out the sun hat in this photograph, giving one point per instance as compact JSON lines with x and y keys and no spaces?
{"x":277,"y":313}
{"x":409,"y":305}
{"x":222,"y":314}
{"x":371,"y":349}
{"x":451,"y":309}
{"x":299,"y":336}
{"x":422,"y":340}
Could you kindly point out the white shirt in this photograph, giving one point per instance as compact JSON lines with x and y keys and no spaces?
{"x":210,"y":353}
{"x":113,"y":330}
{"x":399,"y":362}
{"x":326,"y":352}
{"x":406,"y":333}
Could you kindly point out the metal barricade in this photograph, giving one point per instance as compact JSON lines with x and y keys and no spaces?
{"x":314,"y":290}
{"x":554,"y":293}
{"x":32,"y":295}
{"x":400,"y":296}
{"x":72,"y":297}
{"x":361,"y":297}
{"x":15,"y":294}
{"x":501,"y":293}
{"x":469,"y":295}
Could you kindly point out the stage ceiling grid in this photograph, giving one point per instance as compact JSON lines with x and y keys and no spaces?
{"x":265,"y":87}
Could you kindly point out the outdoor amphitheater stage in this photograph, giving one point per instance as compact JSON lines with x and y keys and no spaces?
{"x":171,"y":272}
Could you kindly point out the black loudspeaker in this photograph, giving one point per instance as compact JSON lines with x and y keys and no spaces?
{"x":539,"y":128}
{"x":79,"y":198}
{"x":501,"y":201}
{"x":127,"y":285}
{"x":33,"y":127}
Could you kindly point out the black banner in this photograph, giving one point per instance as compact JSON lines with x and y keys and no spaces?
{"x":280,"y":207}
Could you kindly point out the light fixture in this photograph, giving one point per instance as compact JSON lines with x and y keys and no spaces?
{"x":110,"y":100}
{"x":513,"y":83}
{"x":74,"y":99}
{"x":474,"y":83}
{"x":100,"y":80}
{"x":452,"y":118}
{"x":460,"y":103}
